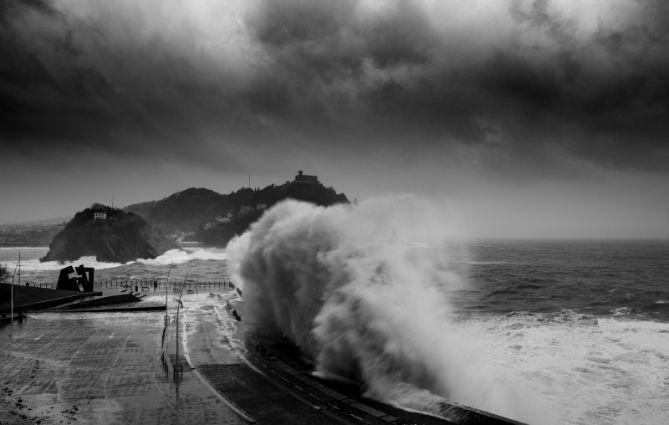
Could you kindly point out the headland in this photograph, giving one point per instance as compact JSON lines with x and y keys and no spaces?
{"x":109,"y":234}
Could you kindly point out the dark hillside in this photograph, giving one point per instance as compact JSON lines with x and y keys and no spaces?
{"x":210,"y":217}
{"x":109,"y":234}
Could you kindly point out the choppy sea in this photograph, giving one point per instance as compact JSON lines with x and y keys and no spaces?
{"x":580,"y":326}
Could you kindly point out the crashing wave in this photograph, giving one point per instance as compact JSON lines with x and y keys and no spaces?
{"x":364,"y":291}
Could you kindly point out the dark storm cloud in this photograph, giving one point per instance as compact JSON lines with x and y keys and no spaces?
{"x":79,"y":84}
{"x":602,"y":96}
{"x":518,"y":85}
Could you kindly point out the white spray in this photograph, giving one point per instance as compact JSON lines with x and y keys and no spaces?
{"x":363,"y":290}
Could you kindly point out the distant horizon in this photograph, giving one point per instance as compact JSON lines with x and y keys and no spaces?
{"x":509,"y":237}
{"x":520,"y":237}
{"x":462,"y":240}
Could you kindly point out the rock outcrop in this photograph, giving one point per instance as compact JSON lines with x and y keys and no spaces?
{"x":110,"y":235}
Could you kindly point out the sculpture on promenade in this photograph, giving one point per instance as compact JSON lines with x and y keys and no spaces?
{"x":79,"y":279}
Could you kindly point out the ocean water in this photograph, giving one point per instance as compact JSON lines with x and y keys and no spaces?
{"x":555,"y":332}
{"x":582,"y":326}
{"x":620,"y":279}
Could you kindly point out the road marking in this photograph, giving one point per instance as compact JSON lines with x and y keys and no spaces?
{"x":367,"y":409}
{"x":38,"y":338}
{"x":331,"y":393}
{"x":357,"y":417}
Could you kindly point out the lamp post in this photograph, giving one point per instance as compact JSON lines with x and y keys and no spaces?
{"x":176,"y":343}
{"x":167,"y":281}
{"x":11,"y":290}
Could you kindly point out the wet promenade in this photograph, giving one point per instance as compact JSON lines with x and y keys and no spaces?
{"x":108,"y":368}
{"x":97,"y":368}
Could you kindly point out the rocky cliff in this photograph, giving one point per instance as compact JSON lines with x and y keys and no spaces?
{"x":109,"y":234}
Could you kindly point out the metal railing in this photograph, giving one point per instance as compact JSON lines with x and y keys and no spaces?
{"x":144,"y":284}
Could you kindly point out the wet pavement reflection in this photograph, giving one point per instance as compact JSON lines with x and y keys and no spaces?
{"x":102,"y":368}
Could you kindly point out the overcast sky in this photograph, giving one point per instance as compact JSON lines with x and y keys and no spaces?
{"x":544,"y":118}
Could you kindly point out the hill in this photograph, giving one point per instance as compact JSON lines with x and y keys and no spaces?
{"x":109,"y":234}
{"x":185,"y":211}
{"x":213,"y":218}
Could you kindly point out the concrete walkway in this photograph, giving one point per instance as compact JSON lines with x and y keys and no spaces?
{"x":108,"y":368}
{"x":101,"y":368}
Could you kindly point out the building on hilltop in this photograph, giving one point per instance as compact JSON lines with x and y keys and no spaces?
{"x":99,"y":211}
{"x":304,"y":178}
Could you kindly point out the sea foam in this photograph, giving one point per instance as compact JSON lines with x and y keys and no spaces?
{"x":606,"y":370}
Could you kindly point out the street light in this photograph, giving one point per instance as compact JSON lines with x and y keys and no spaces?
{"x":176,"y":343}
{"x":166,"y":285}
{"x":11,"y":290}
